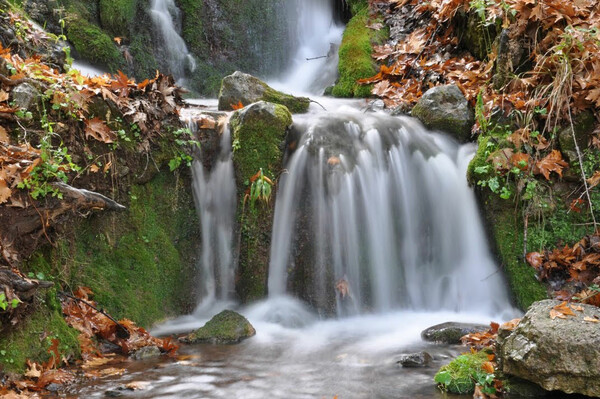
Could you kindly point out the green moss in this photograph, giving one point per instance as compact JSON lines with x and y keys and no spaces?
{"x":507,"y":228}
{"x":93,"y":44}
{"x":227,"y":327}
{"x":116,"y":16}
{"x":355,"y":56}
{"x":479,"y":161}
{"x":145,"y":65}
{"x":136,"y":262}
{"x":33,"y":337}
{"x":296,"y":105}
{"x":461,"y":374}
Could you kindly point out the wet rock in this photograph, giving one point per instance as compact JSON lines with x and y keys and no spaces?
{"x":445,"y":108}
{"x":228,"y":327}
{"x":414,"y":360}
{"x":113,"y":393}
{"x":209,"y":131}
{"x":559,"y":354}
{"x":451,"y":332}
{"x":145,"y":353}
{"x":519,"y":388}
{"x":247,"y":89}
{"x":583,"y":125}
{"x":25,"y":96}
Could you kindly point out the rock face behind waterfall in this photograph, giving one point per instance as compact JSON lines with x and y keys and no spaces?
{"x":559,"y":354}
{"x":258,"y":133}
{"x":445,"y":108}
{"x":244,"y":88}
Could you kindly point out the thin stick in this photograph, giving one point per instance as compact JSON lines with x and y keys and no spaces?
{"x":316,"y":58}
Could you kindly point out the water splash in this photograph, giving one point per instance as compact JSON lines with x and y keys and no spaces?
{"x":164,"y":14}
{"x":389,"y":217}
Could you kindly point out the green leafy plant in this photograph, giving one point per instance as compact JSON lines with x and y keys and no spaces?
{"x":5,"y":304}
{"x":184,"y":142}
{"x":464,"y":373}
{"x":260,"y":189}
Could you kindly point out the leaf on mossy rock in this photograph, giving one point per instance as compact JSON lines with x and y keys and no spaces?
{"x":553,"y":162}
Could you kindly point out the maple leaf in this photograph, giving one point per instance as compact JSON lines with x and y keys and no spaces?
{"x":553,"y":162}
{"x":535,"y":259}
{"x":33,"y":370}
{"x":237,"y":106}
{"x":4,"y":136}
{"x":98,"y":129}
{"x":5,"y":191}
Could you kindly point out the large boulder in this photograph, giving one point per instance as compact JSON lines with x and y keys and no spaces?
{"x":557,"y":354}
{"x":247,"y":89}
{"x":228,"y":327}
{"x":451,"y":332}
{"x":445,"y":108}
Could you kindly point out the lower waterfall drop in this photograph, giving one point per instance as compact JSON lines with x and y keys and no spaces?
{"x":385,"y":210}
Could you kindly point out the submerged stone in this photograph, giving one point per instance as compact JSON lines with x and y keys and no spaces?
{"x":228,"y":327}
{"x":414,"y":360}
{"x":451,"y":332}
{"x":557,"y":354}
{"x":445,"y":108}
{"x":247,"y":89}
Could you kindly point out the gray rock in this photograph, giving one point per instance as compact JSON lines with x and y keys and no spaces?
{"x":414,"y":360}
{"x":247,"y":89}
{"x":228,"y":327}
{"x":26,"y":96}
{"x":451,"y":332}
{"x":445,"y":108}
{"x":559,"y":354}
{"x":583,"y":125}
{"x":145,"y":353}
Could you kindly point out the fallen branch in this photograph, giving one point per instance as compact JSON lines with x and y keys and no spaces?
{"x":86,"y":199}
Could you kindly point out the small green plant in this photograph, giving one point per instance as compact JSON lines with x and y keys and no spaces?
{"x":5,"y":304}
{"x":260,"y":189}
{"x":184,"y":142}
{"x":464,"y":373}
{"x":55,"y":163}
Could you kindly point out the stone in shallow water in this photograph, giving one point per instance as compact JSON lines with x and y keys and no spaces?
{"x":413,"y":360}
{"x":558,"y":354}
{"x":228,"y":327}
{"x":451,"y":332}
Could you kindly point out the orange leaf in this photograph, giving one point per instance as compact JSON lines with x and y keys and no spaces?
{"x":535,"y":259}
{"x":488,"y":367}
{"x":237,"y":106}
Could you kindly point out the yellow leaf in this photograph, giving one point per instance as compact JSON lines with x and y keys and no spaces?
{"x":94,"y":168}
{"x":3,"y":96}
{"x":591,"y":320}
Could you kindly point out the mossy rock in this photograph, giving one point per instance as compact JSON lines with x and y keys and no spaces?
{"x":247,"y":89}
{"x":451,"y":332}
{"x":583,"y":126}
{"x":355,"y":54}
{"x":93,"y":44}
{"x":116,"y":16}
{"x":228,"y":327}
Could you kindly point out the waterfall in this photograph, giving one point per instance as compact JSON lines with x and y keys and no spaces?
{"x":316,"y":38}
{"x":164,"y":13}
{"x":215,"y":196}
{"x":389,"y":217}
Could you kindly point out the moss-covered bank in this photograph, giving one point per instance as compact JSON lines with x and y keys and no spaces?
{"x":355,"y":54}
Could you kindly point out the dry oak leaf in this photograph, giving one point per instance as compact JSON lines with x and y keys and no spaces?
{"x":561,"y":311}
{"x":594,"y":180}
{"x":535,"y":259}
{"x":5,"y":192}
{"x":553,"y":162}
{"x":591,"y":319}
{"x":98,"y":129}
{"x":4,"y":135}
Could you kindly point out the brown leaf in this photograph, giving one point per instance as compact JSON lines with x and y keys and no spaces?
{"x":594,"y":180}
{"x":3,"y":96}
{"x":4,"y":135}
{"x":591,"y":319}
{"x":59,"y":376}
{"x":98,"y":129}
{"x":488,"y":367}
{"x":535,"y":259}
{"x":5,"y":192}
{"x":553,"y":162}
{"x":33,"y":370}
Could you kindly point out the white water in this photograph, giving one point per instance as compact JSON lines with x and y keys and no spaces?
{"x":164,"y":13}
{"x":316,"y":35}
{"x":87,"y":69}
{"x":392,"y":215}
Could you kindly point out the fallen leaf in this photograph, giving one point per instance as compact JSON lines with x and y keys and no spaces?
{"x":98,"y":129}
{"x":4,"y":135}
{"x":33,"y":370}
{"x":488,"y":367}
{"x":553,"y":162}
{"x":237,"y":106}
{"x":5,"y":192}
{"x":591,"y":320}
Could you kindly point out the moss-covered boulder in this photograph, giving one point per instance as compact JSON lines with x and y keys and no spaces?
{"x":445,"y":108}
{"x":583,"y":126}
{"x":258,"y":133}
{"x":228,"y":327}
{"x":462,"y":374}
{"x":247,"y":89}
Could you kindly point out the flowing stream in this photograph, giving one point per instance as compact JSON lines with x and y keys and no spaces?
{"x":392,"y":242}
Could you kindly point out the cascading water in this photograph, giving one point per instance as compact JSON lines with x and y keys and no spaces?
{"x":164,"y":13}
{"x":317,"y":38}
{"x":390,"y":218}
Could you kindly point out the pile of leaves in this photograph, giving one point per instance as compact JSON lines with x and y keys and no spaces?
{"x":95,"y":327}
{"x":572,"y":271}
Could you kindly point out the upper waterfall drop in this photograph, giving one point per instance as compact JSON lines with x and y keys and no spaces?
{"x":316,"y":37}
{"x":164,"y":13}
